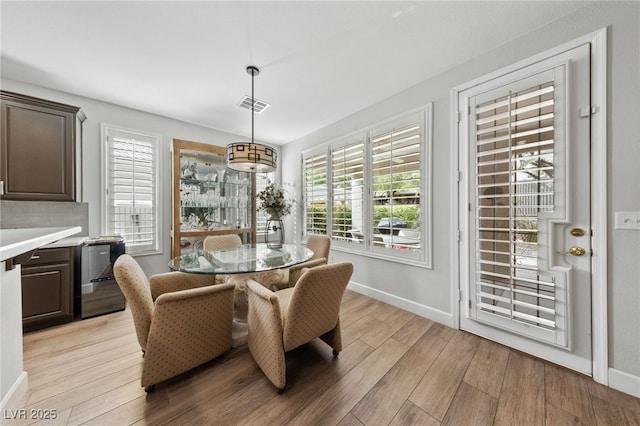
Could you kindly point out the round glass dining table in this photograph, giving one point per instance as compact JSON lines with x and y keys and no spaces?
{"x":244,"y":259}
{"x":262,"y":263}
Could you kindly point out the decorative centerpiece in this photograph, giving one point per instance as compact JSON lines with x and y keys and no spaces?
{"x":273,"y":201}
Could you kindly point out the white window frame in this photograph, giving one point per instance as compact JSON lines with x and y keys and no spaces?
{"x":107,"y":219}
{"x":421,"y":258}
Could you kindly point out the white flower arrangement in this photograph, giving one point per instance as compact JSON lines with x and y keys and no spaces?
{"x":273,"y":201}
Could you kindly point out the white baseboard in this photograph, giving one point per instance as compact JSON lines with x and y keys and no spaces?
{"x":624,"y":382}
{"x":436,"y":315}
{"x":14,"y":395}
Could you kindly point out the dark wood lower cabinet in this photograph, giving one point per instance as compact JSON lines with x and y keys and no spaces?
{"x":47,"y":288}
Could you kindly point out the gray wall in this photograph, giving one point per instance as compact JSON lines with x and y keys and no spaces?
{"x":432,"y":290}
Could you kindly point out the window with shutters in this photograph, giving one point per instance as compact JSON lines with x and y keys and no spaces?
{"x":347,"y":189}
{"x":397,"y":182}
{"x":315,"y":194}
{"x":372,"y":188}
{"x":130,"y":187}
{"x":262,"y":180}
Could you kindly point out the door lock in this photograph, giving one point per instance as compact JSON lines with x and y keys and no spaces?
{"x":577,"y":232}
{"x":575,"y":250}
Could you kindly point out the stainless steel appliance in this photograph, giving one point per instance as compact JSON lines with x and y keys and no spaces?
{"x":99,"y":291}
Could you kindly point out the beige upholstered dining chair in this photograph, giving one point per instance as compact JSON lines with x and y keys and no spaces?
{"x":181,"y":320}
{"x":283,"y":320}
{"x":221,"y":242}
{"x":320,"y":245}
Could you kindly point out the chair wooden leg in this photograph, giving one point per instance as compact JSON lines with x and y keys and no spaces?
{"x":335,"y":353}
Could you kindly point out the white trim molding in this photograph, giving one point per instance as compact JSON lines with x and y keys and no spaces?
{"x":436,"y":315}
{"x":15,"y":394}
{"x":624,"y":382}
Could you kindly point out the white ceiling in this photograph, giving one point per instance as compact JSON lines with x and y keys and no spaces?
{"x":319,"y":61}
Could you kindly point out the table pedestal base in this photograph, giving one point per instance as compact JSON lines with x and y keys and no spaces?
{"x":240,"y":326}
{"x":239,"y":333}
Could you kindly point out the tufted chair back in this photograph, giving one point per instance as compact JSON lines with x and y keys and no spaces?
{"x":320,"y":245}
{"x":221,"y":242}
{"x":283,"y":320}
{"x":135,"y":286}
{"x":181,"y":320}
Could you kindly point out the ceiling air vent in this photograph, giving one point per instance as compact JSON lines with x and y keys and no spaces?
{"x":259,"y":105}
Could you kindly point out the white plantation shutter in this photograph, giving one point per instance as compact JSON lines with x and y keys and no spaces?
{"x":262,"y":180}
{"x":315,"y":193}
{"x":396,"y":178}
{"x":347,"y":188}
{"x":514,"y":144}
{"x":131,"y":188}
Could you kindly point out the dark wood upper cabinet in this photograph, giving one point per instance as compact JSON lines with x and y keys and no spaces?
{"x":39,"y":149}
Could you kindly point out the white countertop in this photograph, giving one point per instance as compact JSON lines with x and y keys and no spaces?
{"x":68,"y":242}
{"x":14,"y":242}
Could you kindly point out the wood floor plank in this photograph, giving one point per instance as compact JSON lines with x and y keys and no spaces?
{"x":437,"y":388}
{"x":471,"y":406}
{"x":388,"y":327}
{"x":67,"y":378}
{"x":614,"y":415}
{"x":192,"y":394}
{"x":132,"y":411}
{"x":106,"y":402}
{"x":89,"y":371}
{"x":364,"y":311}
{"x":410,"y":415}
{"x":487,"y":368}
{"x":382,"y":403}
{"x":614,"y":397}
{"x":84,"y":357}
{"x":311,"y":380}
{"x":353,"y":331}
{"x":569,"y":392}
{"x":522,"y":397}
{"x":353,"y":300}
{"x":332,"y":406}
{"x":350,"y":420}
{"x":413,"y":330}
{"x":557,"y":417}
{"x":77,"y":389}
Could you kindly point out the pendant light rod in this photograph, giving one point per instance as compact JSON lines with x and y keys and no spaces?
{"x":253,"y":71}
{"x":250,"y":156}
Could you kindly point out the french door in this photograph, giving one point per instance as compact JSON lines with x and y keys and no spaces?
{"x":524,"y":203}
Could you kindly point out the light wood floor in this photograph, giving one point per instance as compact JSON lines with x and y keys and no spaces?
{"x":396,"y":368}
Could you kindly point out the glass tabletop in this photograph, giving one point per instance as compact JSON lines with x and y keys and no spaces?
{"x":241,"y":260}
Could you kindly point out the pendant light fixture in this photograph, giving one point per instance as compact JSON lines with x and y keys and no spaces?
{"x":251,"y":156}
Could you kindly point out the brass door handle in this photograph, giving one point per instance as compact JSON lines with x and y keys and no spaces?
{"x":575,"y":250}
